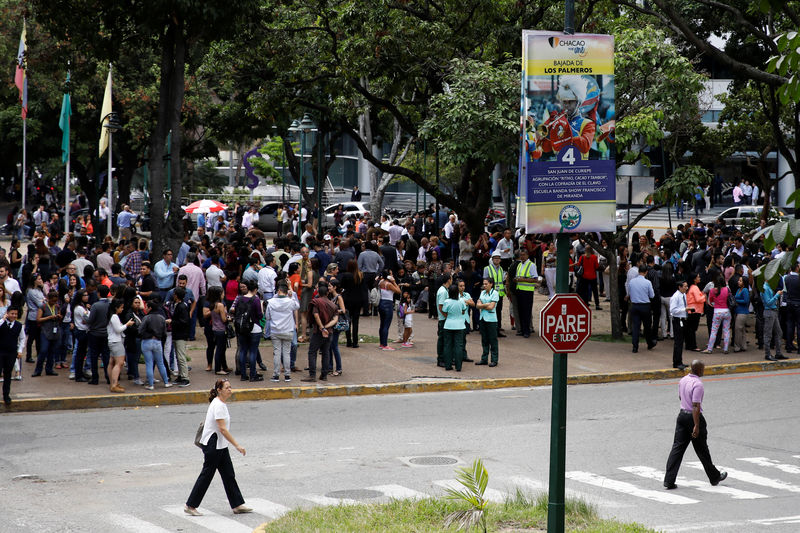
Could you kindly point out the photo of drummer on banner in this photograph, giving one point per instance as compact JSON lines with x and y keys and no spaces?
{"x":565,"y":123}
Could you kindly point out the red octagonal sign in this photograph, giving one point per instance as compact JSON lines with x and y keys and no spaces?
{"x":565,"y":323}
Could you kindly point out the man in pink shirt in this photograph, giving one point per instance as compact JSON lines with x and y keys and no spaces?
{"x":196,"y":281}
{"x":691,"y":427}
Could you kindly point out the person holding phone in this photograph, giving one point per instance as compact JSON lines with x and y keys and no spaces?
{"x":772,"y":325}
{"x":679,"y":311}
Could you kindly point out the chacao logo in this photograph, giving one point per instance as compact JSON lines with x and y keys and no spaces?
{"x":577,"y":46}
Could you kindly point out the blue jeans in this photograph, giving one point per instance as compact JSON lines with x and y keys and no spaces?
{"x":337,"y":357}
{"x":66,"y":343}
{"x":293,"y":351}
{"x":248,"y":349}
{"x":154,"y":353}
{"x":385,"y":309}
{"x":48,"y":351}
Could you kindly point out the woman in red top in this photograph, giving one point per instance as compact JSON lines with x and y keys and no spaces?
{"x":231,"y":288}
{"x":587,"y":283}
{"x":718,"y":298}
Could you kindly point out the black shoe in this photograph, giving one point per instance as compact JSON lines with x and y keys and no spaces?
{"x":323,"y":377}
{"x":448,"y":368}
{"x":680,"y":367}
{"x":670,"y":486}
{"x":262,"y":366}
{"x":36,"y":375}
{"x":29,"y":360}
{"x":258,"y":377}
{"x":7,"y":401}
{"x":780,"y":356}
{"x":81,"y":380}
{"x":527,"y":335}
{"x":501,"y":334}
{"x":183,"y":383}
{"x":492,"y":364}
{"x":54,"y":374}
{"x":349,"y":345}
{"x":237,"y":373}
{"x":482,"y":363}
{"x":309,"y":379}
{"x":598,"y":308}
{"x":651,"y":346}
{"x":294,"y":369}
{"x":439,"y":363}
{"x":244,"y":378}
{"x":722,"y":476}
{"x":92,"y":382}
{"x":468,"y":360}
{"x":770,"y":358}
{"x":355,"y":346}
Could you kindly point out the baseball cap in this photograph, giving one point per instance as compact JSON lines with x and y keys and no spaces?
{"x":496,"y":254}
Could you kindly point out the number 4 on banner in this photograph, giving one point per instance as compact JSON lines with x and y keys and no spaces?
{"x":569,"y":156}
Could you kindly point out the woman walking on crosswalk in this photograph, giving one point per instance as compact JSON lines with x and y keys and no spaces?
{"x":214,"y":440}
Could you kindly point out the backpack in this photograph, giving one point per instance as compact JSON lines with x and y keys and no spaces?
{"x":243,"y":319}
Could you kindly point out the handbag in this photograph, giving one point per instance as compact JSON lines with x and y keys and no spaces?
{"x":731,"y":301}
{"x":579,"y":268}
{"x":344,"y":322}
{"x":229,"y":331}
{"x":199,"y":435}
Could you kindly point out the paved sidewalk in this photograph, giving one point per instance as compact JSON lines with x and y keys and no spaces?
{"x":368,"y":370}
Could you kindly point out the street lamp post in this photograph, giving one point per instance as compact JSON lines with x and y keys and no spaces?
{"x":113,"y":125}
{"x":304,"y":126}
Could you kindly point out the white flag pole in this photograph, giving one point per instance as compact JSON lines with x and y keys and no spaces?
{"x":110,"y":203}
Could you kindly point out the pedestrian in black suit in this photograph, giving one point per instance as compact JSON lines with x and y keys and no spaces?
{"x":12,"y":344}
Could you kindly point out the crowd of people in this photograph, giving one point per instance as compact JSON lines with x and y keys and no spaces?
{"x":93,"y":304}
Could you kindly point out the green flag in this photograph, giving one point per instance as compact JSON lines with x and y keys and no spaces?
{"x":63,"y":123}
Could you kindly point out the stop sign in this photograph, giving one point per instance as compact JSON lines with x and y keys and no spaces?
{"x":565,"y":323}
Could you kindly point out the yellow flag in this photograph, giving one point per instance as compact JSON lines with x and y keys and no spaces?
{"x":104,"y":115}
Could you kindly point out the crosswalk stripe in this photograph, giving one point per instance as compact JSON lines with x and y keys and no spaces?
{"x":210,"y":520}
{"x":324,"y":500}
{"x":628,"y":488}
{"x":535,"y":485}
{"x":658,"y":475}
{"x":267,"y":508}
{"x":492,"y":495}
{"x":747,"y":477}
{"x":763,"y":461}
{"x":781,"y":520}
{"x":133,"y":524}
{"x":399,"y":492}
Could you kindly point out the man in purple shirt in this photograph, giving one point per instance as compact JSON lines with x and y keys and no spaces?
{"x":691,"y":427}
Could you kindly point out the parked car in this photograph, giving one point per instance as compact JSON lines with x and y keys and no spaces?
{"x":737,"y":215}
{"x":268,"y":217}
{"x":349,"y":208}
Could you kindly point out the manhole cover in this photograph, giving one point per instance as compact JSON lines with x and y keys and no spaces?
{"x":356,"y":494}
{"x":433,"y":460}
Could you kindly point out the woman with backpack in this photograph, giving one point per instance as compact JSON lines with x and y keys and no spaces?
{"x":247,"y":315}
{"x":718,"y":298}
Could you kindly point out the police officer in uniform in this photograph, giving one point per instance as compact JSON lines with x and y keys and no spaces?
{"x":526,"y":278}
{"x":496,"y":273}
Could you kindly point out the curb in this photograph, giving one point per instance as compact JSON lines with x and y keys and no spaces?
{"x":284,"y":393}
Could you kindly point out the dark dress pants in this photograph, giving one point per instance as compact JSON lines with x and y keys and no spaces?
{"x":683,"y":436}
{"x":7,"y":362}
{"x":440,"y":343}
{"x":655,"y":316}
{"x":352,"y":333}
{"x":98,"y":348}
{"x":210,"y":344}
{"x":216,"y":460}
{"x":640,"y":314}
{"x":678,"y":325}
{"x":525,"y":309}
{"x":690,"y":331}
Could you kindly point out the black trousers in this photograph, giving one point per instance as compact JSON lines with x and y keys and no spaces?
{"x":678,"y":325}
{"x":683,"y":436}
{"x":352,"y":333}
{"x":640,"y":314}
{"x":499,"y":309}
{"x":210,"y":344}
{"x":690,"y":331}
{"x":318,"y":343}
{"x":440,"y":343}
{"x":214,"y":460}
{"x":98,"y":347}
{"x":525,"y":308}
{"x":655,"y":313}
{"x":7,"y":362}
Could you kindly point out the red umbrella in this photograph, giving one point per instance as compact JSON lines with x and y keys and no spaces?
{"x":205,"y":206}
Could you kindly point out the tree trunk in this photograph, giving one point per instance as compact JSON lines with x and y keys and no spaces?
{"x":174,"y":235}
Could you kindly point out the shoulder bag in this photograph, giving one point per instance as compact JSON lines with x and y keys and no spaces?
{"x":199,"y":435}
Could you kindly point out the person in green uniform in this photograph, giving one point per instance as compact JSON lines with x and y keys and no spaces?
{"x":445,"y":280}
{"x":487,"y":303}
{"x":526,"y":278}
{"x":454,"y":309}
{"x":496,"y":273}
{"x":465,"y":297}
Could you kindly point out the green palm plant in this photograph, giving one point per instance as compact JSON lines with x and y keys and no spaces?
{"x":474,"y":481}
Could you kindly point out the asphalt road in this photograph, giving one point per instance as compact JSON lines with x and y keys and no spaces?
{"x":131,"y":470}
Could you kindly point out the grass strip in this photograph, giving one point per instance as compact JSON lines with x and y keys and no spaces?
{"x":520,"y":513}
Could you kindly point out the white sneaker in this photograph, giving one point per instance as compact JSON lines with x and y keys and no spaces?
{"x":149,"y":387}
{"x":72,"y":375}
{"x":138,"y":382}
{"x":167,"y":385}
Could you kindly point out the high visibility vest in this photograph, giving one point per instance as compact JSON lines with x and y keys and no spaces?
{"x":524,"y":271}
{"x":496,"y":274}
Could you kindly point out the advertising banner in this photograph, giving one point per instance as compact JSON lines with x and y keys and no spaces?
{"x":567,"y":170}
